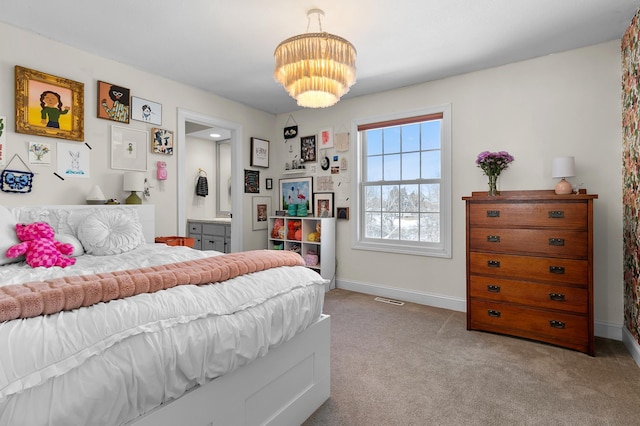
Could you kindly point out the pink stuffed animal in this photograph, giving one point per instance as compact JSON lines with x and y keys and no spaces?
{"x":40,"y":247}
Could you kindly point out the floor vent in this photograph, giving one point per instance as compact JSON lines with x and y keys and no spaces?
{"x":389,"y":301}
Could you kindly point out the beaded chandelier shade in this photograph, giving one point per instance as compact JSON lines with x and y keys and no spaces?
{"x":317,"y":69}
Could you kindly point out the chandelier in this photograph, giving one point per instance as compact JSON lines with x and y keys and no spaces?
{"x":317,"y":69}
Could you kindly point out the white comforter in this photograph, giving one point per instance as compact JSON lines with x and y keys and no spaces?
{"x":114,"y":361}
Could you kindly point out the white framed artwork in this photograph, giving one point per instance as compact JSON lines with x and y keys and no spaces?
{"x":129,"y":148}
{"x":145,"y":110}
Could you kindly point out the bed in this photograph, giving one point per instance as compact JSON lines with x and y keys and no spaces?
{"x":251,"y":348}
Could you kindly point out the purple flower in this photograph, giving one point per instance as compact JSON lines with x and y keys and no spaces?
{"x":493,"y":163}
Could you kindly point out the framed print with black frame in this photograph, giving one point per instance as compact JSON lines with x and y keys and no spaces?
{"x":47,"y":105}
{"x":268,"y":183}
{"x":259,"y":153}
{"x":323,"y":204}
{"x":308,"y":148}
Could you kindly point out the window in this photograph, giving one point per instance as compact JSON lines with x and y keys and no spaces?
{"x":404,"y":183}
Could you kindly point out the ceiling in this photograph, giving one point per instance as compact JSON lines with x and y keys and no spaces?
{"x":226,"y":46}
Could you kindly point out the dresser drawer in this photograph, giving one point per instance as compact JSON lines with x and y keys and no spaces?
{"x":531,"y":268}
{"x":552,"y":327}
{"x":548,"y":215}
{"x":551,"y":296}
{"x":545,"y":242}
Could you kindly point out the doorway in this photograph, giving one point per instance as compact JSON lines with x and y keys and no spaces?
{"x":184,"y":117}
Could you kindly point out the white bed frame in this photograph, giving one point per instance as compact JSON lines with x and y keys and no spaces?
{"x":282,"y":388}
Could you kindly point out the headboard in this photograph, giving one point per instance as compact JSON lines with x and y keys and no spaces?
{"x":146,"y":213}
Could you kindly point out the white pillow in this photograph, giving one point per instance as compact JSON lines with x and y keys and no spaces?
{"x":78,"y":250}
{"x":8,"y":236}
{"x":108,"y":232}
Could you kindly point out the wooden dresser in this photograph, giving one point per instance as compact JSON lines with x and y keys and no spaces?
{"x":530,"y":266}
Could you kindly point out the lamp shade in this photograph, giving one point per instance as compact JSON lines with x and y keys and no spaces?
{"x":316,"y":68}
{"x":133,"y":181}
{"x":563,"y":167}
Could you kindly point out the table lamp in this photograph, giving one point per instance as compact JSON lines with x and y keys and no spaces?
{"x":133,"y":181}
{"x":563,"y":167}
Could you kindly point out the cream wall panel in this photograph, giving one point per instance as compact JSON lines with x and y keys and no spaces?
{"x":33,"y":51}
{"x":562,"y":104}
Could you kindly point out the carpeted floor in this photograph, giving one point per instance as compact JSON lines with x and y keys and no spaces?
{"x":418,"y":365}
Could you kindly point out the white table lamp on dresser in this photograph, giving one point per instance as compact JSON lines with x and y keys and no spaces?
{"x":563,"y":167}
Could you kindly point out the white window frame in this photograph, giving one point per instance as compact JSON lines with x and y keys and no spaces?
{"x":441,"y":249}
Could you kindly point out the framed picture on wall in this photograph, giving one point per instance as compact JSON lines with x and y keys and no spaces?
{"x":308,"y":148}
{"x":295,"y":191}
{"x":323,"y":204}
{"x":47,"y":105}
{"x":161,"y":141}
{"x":129,"y":148}
{"x":251,"y":182}
{"x":260,"y":212}
{"x":147,"y":111}
{"x":113,"y":102}
{"x":259,"y":152}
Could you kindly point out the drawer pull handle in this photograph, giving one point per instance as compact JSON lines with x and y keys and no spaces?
{"x":493,"y":263}
{"x":493,"y":313}
{"x":556,"y":270}
{"x":556,"y":241}
{"x":556,"y":214}
{"x":493,"y":238}
{"x":493,"y":288}
{"x":558,"y":297}
{"x":556,"y":324}
{"x":493,"y":213}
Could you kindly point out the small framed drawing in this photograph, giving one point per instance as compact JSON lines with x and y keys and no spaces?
{"x":49,"y":106}
{"x":261,"y":211}
{"x":113,"y":102}
{"x":342,"y":212}
{"x":295,"y":191}
{"x":129,"y":148}
{"x":308,"y":148}
{"x":147,"y":111}
{"x":326,"y":138}
{"x":161,"y":141}
{"x":268,"y":183}
{"x":323,"y":203}
{"x":259,"y":152}
{"x":73,"y":160}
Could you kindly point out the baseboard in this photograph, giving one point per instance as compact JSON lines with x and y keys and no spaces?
{"x":413,"y":296}
{"x":608,"y":330}
{"x":601,"y":328}
{"x":631,"y":344}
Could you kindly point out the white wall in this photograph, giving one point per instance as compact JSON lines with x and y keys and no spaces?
{"x":202,"y":155}
{"x":32,"y":51}
{"x":562,"y":104}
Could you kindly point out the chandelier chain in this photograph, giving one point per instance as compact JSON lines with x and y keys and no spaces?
{"x":318,"y":14}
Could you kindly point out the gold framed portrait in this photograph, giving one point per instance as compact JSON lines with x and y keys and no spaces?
{"x":47,"y":105}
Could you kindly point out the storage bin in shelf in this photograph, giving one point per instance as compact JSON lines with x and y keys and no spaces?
{"x":308,"y":242}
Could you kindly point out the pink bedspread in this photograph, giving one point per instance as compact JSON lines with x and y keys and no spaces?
{"x":63,"y":294}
